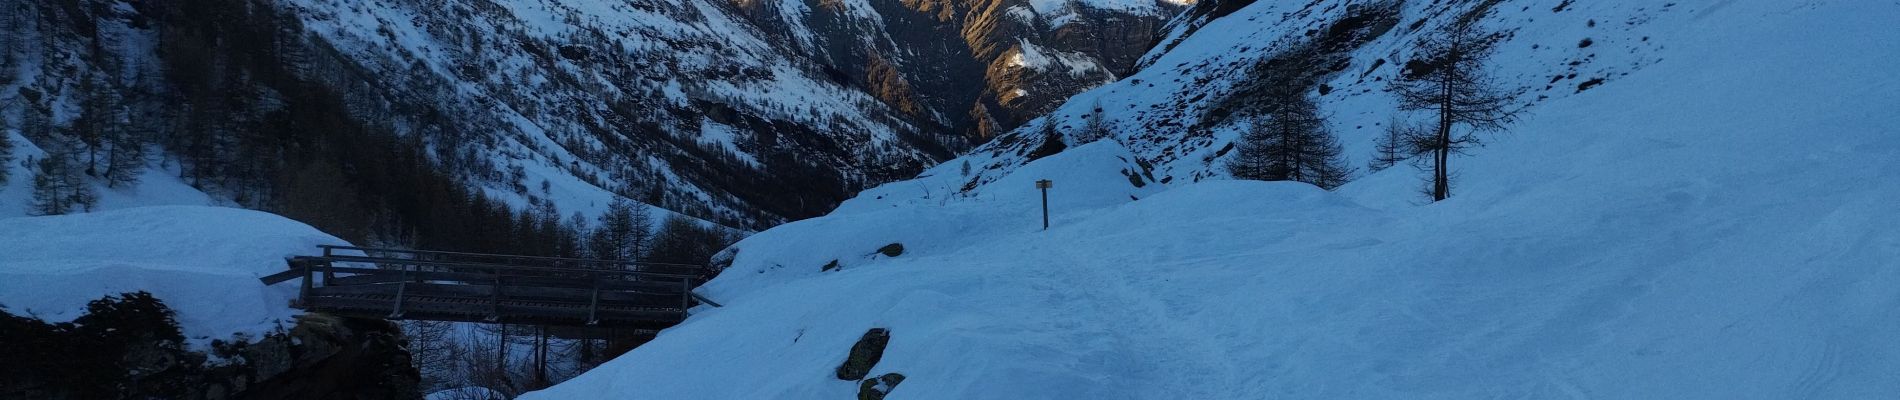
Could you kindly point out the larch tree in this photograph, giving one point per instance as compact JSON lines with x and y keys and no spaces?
{"x":99,"y":120}
{"x":1450,"y":82}
{"x":622,"y":233}
{"x":57,"y":189}
{"x":125,"y":151}
{"x":1290,"y":142}
{"x":1094,"y":125}
{"x":1400,"y":142}
{"x":6,"y":155}
{"x":685,"y":242}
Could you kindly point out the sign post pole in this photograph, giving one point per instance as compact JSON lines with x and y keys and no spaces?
{"x":1045,"y":184}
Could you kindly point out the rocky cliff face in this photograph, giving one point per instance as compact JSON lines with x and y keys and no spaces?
{"x":972,"y":67}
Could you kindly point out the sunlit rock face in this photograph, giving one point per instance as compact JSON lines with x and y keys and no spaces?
{"x":972,"y":67}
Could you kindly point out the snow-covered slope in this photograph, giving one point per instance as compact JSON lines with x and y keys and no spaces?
{"x":720,"y":108}
{"x":743,"y":113}
{"x":1179,"y":112}
{"x":157,"y":185}
{"x":202,"y":261}
{"x":1716,"y":224}
{"x":677,"y":103}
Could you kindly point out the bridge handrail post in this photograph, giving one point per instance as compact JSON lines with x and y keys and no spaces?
{"x":303,"y":293}
{"x":593,"y":304}
{"x":327,"y":275}
{"x":402,"y":286}
{"x":495,"y":299}
{"x":686,"y":296}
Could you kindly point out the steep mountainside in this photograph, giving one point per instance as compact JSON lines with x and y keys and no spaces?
{"x":679,"y":103}
{"x":926,"y":57}
{"x":1182,"y":111}
{"x":746,"y":114}
{"x":1714,"y":220}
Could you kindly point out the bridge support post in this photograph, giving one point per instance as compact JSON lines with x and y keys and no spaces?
{"x":402,"y":287}
{"x":327,"y":273}
{"x":303,"y":294}
{"x":494,"y":304}
{"x":593,"y":305}
{"x":541,"y":356}
{"x":686,"y":296}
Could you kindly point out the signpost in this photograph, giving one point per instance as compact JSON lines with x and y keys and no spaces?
{"x":1045,"y":184}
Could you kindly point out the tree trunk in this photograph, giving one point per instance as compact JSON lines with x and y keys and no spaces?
{"x":541,"y":357}
{"x":1441,"y":179}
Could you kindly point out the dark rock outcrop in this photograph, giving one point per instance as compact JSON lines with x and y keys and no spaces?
{"x":877,"y":388}
{"x":891,"y":250}
{"x":864,"y":355}
{"x":327,"y":357}
{"x":129,"y":346}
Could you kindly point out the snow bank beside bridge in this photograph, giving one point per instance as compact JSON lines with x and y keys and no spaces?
{"x":202,"y":261}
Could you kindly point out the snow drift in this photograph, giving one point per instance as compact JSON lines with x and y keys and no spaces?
{"x":1717,"y":225}
{"x":202,"y":261}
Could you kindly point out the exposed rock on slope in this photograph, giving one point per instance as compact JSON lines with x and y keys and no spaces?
{"x":128,"y":347}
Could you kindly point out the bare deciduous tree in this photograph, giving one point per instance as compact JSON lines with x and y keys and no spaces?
{"x":1450,"y":82}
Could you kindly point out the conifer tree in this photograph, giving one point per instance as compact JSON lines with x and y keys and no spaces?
{"x":125,"y":151}
{"x":684,"y":241}
{"x":622,"y":233}
{"x":57,"y":189}
{"x":6,"y":155}
{"x":1290,"y":143}
{"x":98,"y":120}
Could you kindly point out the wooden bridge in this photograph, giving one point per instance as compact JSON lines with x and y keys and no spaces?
{"x":470,"y":287}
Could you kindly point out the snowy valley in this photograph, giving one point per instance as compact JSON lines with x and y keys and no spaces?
{"x":1689,"y":199}
{"x":1713,"y":221}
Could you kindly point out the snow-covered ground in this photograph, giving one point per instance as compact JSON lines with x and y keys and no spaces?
{"x":1720,"y":224}
{"x":158,"y":185}
{"x":467,"y":393}
{"x":1171,"y":114}
{"x":203,"y":262}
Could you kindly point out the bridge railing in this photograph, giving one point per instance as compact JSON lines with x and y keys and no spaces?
{"x":449,"y":285}
{"x":637,"y":268}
